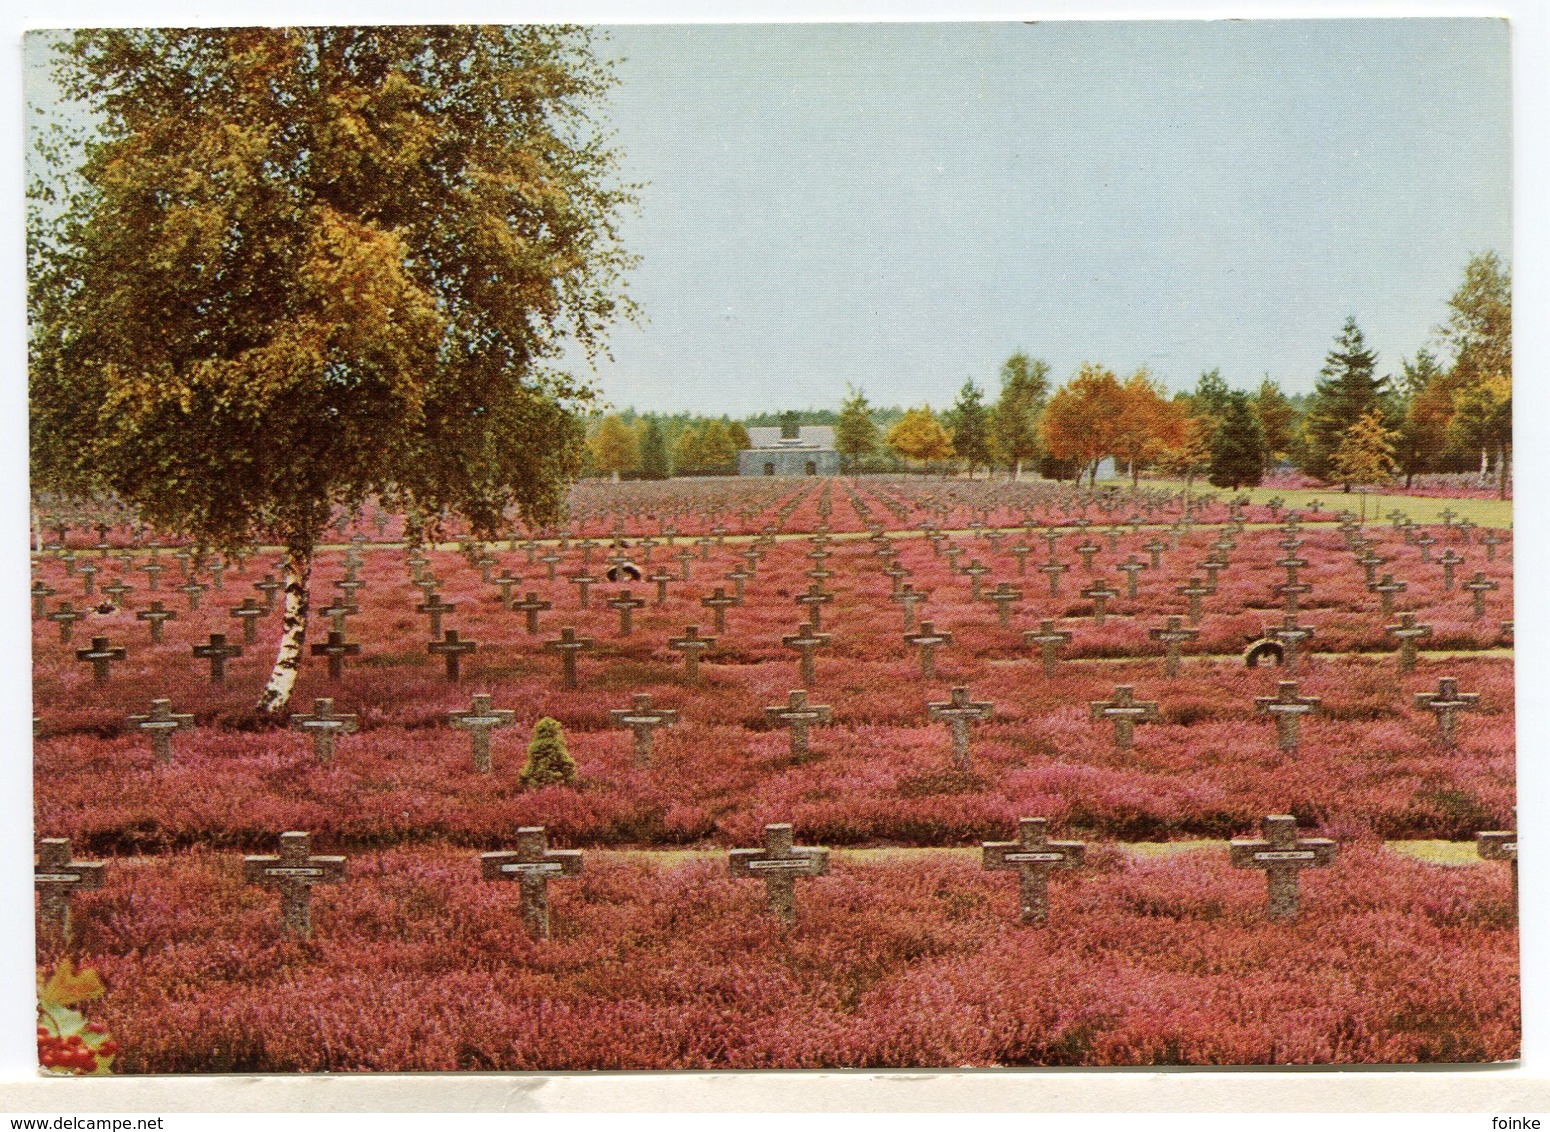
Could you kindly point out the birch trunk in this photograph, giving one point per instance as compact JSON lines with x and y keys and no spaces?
{"x":297,"y":566}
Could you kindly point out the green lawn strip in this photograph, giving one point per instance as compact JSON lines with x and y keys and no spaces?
{"x":1421,"y":508}
{"x":1452,"y":853}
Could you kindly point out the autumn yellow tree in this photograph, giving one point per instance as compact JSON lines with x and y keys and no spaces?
{"x":1149,"y":425}
{"x":1082,"y":420}
{"x":920,"y":436}
{"x":615,"y":447}
{"x":1365,"y":453}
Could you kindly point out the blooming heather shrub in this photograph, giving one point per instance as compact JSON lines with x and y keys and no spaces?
{"x":915,"y":961}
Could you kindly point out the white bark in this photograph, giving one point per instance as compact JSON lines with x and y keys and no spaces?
{"x":297,"y":567}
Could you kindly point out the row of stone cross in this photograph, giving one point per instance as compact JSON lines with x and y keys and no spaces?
{"x":295,"y":870}
{"x":642,"y":718}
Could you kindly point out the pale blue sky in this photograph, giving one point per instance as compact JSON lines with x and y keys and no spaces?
{"x":902,"y":206}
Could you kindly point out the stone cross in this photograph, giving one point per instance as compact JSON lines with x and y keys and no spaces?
{"x":583,"y":583}
{"x":1053,"y":570}
{"x":1500,"y":845}
{"x":1131,"y":567}
{"x":56,"y":879}
{"x":814,"y":599}
{"x":160,"y":724}
{"x":336,"y":648}
{"x":1287,"y":707}
{"x":928,"y":640}
{"x":1477,"y":587}
{"x":625,"y":604}
{"x":153,"y":571}
{"x":268,"y":587}
{"x":217,"y":651}
{"x":643,"y":719}
{"x":1004,"y":597}
{"x":117,"y":591}
{"x":685,"y":558}
{"x":1173,"y":634}
{"x":337,"y":611}
{"x":550,"y":561}
{"x":1154,"y":551}
{"x":1099,"y":593}
{"x":975,"y":570}
{"x":1125,"y":711}
{"x":1408,"y":633}
{"x":909,"y":597}
{"x":1086,"y":551}
{"x":719,"y":602}
{"x":451,"y":648}
{"x":1291,"y":564}
{"x":738,"y":577}
{"x":505,"y":582}
{"x":156,"y":615}
{"x":1290,"y":635}
{"x":41,"y":591}
{"x":533,"y":865}
{"x":691,"y":644}
{"x":806,"y":641}
{"x":1032,"y":856}
{"x":324,"y":726}
{"x":1386,"y":587}
{"x":295,"y":871}
{"x":479,"y":720}
{"x":779,"y":864}
{"x":798,"y":715}
{"x":1425,"y":542}
{"x":1282,"y":855}
{"x":1021,"y":552}
{"x":1049,"y":639}
{"x":530,"y":607}
{"x":1446,"y":702}
{"x":1194,"y":590}
{"x":1449,"y":561}
{"x":101,"y":656}
{"x":958,"y":712}
{"x":1289,"y":593}
{"x":569,"y":646}
{"x":660,"y":578}
{"x":1369,"y":562}
{"x":433,"y":607}
{"x":1491,"y":540}
{"x":249,"y":611}
{"x":65,"y":616}
{"x":88,"y":574}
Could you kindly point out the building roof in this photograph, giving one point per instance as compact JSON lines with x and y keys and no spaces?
{"x":812,"y":436}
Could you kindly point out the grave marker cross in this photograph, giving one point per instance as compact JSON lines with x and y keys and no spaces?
{"x":451,"y":648}
{"x":958,"y":712}
{"x":625,"y":604}
{"x":928,"y":640}
{"x":295,"y":871}
{"x":161,"y":724}
{"x":65,"y":616}
{"x":643,"y":720}
{"x":1477,"y":587}
{"x":1124,"y":711}
{"x":691,"y":644}
{"x":1282,"y":855}
{"x":324,"y":726}
{"x":1049,"y":639}
{"x":569,"y":646}
{"x":336,"y":648}
{"x":1446,"y":702}
{"x":1032,"y":856}
{"x":779,"y":864}
{"x":1099,"y":593}
{"x":1287,"y":708}
{"x":806,"y":641}
{"x":1500,"y":845}
{"x":718,"y":603}
{"x":56,"y":879}
{"x":101,"y":656}
{"x":479,"y":720}
{"x":217,"y":651}
{"x":433,"y":607}
{"x":1194,"y":590}
{"x":156,"y":615}
{"x":1173,"y":634}
{"x":1408,"y":633}
{"x":530,"y":607}
{"x":798,"y":716}
{"x":533,"y":865}
{"x":1290,"y":635}
{"x":249,"y":611}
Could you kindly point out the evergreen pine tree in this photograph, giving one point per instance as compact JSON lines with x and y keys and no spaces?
{"x":653,"y":451}
{"x":1349,"y":390}
{"x":1237,"y":445}
{"x":855,"y":434}
{"x":548,"y":762}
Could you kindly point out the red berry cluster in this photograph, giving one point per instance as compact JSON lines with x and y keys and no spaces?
{"x":72,"y":1054}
